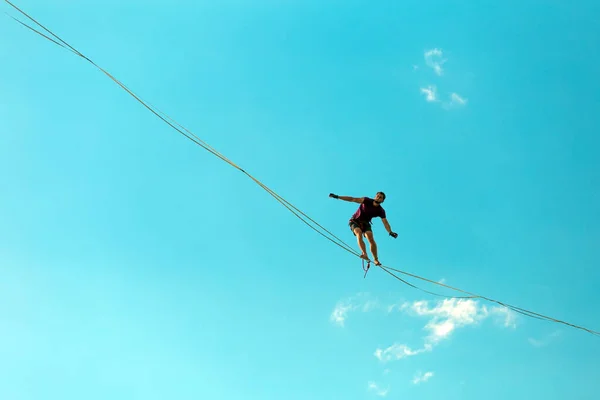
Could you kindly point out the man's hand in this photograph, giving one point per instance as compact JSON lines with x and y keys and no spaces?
{"x":335,"y":196}
{"x":389,"y":228}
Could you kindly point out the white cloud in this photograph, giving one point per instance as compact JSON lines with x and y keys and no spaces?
{"x":445,"y":317}
{"x":398,"y":351}
{"x":360,"y":302}
{"x":434,"y":59}
{"x":457,"y":99}
{"x":545,"y":341}
{"x":374,"y":387}
{"x":338,"y":316}
{"x":430,"y":93}
{"x":506,"y":316}
{"x":420,"y":377}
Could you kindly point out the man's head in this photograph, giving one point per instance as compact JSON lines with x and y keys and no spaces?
{"x":380,"y":197}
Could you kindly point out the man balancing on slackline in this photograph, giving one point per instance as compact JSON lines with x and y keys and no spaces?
{"x":360,"y":222}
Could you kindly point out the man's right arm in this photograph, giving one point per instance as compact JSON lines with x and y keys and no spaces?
{"x":358,"y":200}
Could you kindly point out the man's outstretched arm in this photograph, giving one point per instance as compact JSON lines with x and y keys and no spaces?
{"x":347,"y":198}
{"x":389,"y":228}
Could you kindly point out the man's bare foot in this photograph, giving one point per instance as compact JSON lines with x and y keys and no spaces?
{"x":364,"y":257}
{"x":376,"y":262}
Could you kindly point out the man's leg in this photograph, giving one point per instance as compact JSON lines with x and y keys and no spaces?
{"x":361,"y":243}
{"x":359,"y":237}
{"x":373,"y":246}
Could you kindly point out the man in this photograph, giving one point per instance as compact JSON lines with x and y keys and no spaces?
{"x":360,"y":222}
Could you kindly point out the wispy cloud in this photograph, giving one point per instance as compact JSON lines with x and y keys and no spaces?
{"x":455,"y":101}
{"x":398,"y":351}
{"x":360,"y":302}
{"x":544,"y":341}
{"x":374,"y":387}
{"x":338,"y":316}
{"x":434,"y":59}
{"x":445,"y":317}
{"x":430,"y":93}
{"x":505,"y":317}
{"x":422,"y":377}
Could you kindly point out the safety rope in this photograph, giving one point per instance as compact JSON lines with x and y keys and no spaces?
{"x":367,"y":268}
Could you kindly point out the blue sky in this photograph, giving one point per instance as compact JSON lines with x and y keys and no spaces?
{"x":136,"y":265}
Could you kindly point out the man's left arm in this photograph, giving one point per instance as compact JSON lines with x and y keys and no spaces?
{"x":389,"y":228}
